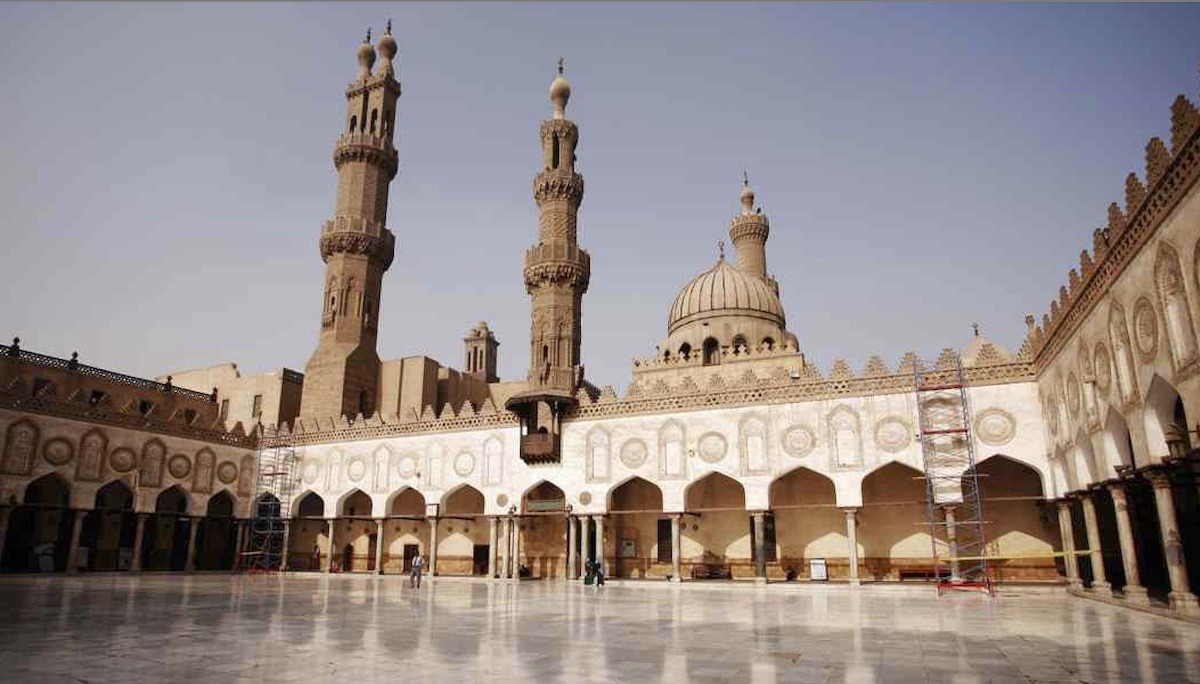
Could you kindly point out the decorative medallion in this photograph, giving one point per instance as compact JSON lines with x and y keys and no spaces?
{"x":996,"y":426}
{"x":1103,"y":367}
{"x":585,"y":498}
{"x":58,"y":451}
{"x":1072,"y":394}
{"x":502,"y":500}
{"x":310,"y":472}
{"x":122,"y":460}
{"x":407,"y":467}
{"x":633,"y":453}
{"x":798,"y":440}
{"x":893,"y":434}
{"x":1145,"y":329}
{"x":227,"y":473}
{"x":179,"y":466}
{"x":712,"y":447}
{"x":464,"y":464}
{"x":356,"y":469}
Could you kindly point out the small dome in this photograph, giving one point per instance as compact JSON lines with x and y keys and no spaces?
{"x":722,"y":291}
{"x":560,"y":90}
{"x":387,"y":47}
{"x":366,"y":53}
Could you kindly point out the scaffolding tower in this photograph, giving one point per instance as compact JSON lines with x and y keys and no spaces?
{"x":278,"y":473}
{"x":955,"y":508}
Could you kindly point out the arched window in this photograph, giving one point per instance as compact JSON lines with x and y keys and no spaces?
{"x":712,"y":352}
{"x":554,"y":153}
{"x":685,"y":350}
{"x":768,"y":343}
{"x":374,"y":120}
{"x":545,"y":353}
{"x":667,"y":355}
{"x":353,"y":123}
{"x":364,"y":404}
{"x":739,"y":344}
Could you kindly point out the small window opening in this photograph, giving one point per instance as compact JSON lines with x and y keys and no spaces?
{"x":257,"y":410}
{"x":39,"y":385}
{"x":768,"y":343}
{"x":545,"y":353}
{"x":97,"y":397}
{"x":739,"y":343}
{"x":224,"y":409}
{"x":353,"y":123}
{"x":145,"y":407}
{"x":685,"y":350}
{"x":189,"y":416}
{"x":554,"y":153}
{"x":374,"y":119}
{"x":712,"y":352}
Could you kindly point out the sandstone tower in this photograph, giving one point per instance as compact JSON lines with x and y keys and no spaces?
{"x":481,"y":346}
{"x":749,"y":231}
{"x":342,"y":375}
{"x":556,"y":276}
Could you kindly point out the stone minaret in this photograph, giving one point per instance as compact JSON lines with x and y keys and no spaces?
{"x":557,"y":270}
{"x":556,"y":276}
{"x":481,"y":346}
{"x":342,"y":375}
{"x":749,"y":231}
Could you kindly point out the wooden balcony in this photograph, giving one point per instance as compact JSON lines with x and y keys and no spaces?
{"x":539,"y":448}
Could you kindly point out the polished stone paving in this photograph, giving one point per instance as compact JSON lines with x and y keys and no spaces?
{"x":308,"y":628}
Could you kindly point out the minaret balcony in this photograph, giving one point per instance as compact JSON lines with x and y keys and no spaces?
{"x":558,"y":252}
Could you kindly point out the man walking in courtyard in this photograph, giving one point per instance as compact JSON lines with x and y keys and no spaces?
{"x":414,"y":578}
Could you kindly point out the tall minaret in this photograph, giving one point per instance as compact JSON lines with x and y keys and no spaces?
{"x":342,"y":375}
{"x":556,"y":276}
{"x":749,"y":231}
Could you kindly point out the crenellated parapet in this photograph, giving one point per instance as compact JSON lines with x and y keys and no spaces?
{"x":1168,"y":177}
{"x":376,"y":150}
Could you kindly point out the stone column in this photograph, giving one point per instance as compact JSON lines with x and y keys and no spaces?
{"x":493,"y":542}
{"x":139,"y":539}
{"x":193,"y":528}
{"x":599,"y":520}
{"x":852,"y":541}
{"x":506,"y":528}
{"x":327,"y":564}
{"x":1068,"y":544}
{"x":760,"y":546}
{"x":676,"y":552}
{"x":73,"y":549}
{"x":517,"y":547}
{"x":238,"y":543}
{"x":952,"y":540}
{"x":571,"y":552}
{"x":1100,"y":583}
{"x":379,"y":532}
{"x":285,"y":559}
{"x":5,"y":512}
{"x":433,"y":544}
{"x":1180,"y":597}
{"x":1133,"y":590}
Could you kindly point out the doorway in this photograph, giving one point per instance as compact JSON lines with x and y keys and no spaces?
{"x":480,"y":558}
{"x":410,"y":552}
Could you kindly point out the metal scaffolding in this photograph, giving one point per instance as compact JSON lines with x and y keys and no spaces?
{"x":278,"y":475}
{"x":951,"y":481}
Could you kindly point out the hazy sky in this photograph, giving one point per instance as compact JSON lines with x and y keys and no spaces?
{"x":166,"y":167}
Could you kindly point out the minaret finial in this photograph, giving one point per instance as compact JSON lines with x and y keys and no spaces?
{"x":389,"y":27}
{"x":720,"y":250}
{"x":368,"y":38}
{"x":560,"y":92}
{"x":560,"y":65}
{"x":975,"y":327}
{"x":745,"y":178}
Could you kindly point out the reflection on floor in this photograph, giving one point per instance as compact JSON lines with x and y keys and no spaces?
{"x":217,"y":628}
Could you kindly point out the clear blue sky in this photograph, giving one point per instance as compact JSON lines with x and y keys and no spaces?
{"x":167,"y":166}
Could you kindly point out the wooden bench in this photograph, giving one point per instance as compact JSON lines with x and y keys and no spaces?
{"x":711,"y":571}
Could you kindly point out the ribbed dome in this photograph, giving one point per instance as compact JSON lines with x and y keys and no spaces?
{"x":724,"y":290}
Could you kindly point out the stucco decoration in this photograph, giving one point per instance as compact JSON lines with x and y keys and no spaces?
{"x":356,"y":468}
{"x":407,"y":467}
{"x":712,"y":447}
{"x":435,"y":457}
{"x":585,"y":498}
{"x":798,"y":441}
{"x":333,"y":470}
{"x":752,"y":443}
{"x":58,"y":451}
{"x":122,"y":460}
{"x":20,"y":446}
{"x":1072,"y":394}
{"x":502,"y":500}
{"x":227,"y":472}
{"x":633,"y":453}
{"x":1122,"y":354}
{"x":179,"y":466}
{"x":246,"y":473}
{"x":1103,"y":367}
{"x":206,"y":466}
{"x":493,"y":455}
{"x":154,"y":453}
{"x":1086,"y":370}
{"x":1050,"y":413}
{"x":464,"y":464}
{"x":844,"y":438}
{"x":599,"y":455}
{"x":995,"y":426}
{"x":310,"y":472}
{"x":893,"y":434}
{"x":672,"y":450}
{"x":1177,"y":316}
{"x":93,"y":446}
{"x":380,"y":460}
{"x":1145,"y":330}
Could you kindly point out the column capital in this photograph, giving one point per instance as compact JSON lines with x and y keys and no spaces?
{"x":1064,"y":504}
{"x":848,"y":510}
{"x":1159,"y":478}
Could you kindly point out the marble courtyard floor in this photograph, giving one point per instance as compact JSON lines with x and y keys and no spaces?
{"x":307,"y":628}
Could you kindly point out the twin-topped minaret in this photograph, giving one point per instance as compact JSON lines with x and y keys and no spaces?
{"x":342,"y":375}
{"x":556,"y":273}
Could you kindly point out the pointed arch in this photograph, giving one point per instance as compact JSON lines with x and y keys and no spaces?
{"x":114,"y":496}
{"x":893,"y":482}
{"x":543,"y":496}
{"x":672,"y":448}
{"x":308,"y":504}
{"x":801,"y":486}
{"x":1004,"y":476}
{"x":408,"y":501}
{"x":48,"y":490}
{"x":1172,"y":298}
{"x":220,"y":505}
{"x":355,"y":503}
{"x":173,"y":500}
{"x":634,"y":493}
{"x":714,"y":490}
{"x":462,"y":500}
{"x":1160,"y":409}
{"x":1086,"y":471}
{"x":1116,"y":443}
{"x":20,"y":447}
{"x":599,"y":454}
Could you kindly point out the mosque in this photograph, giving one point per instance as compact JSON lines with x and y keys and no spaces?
{"x":731,"y":455}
